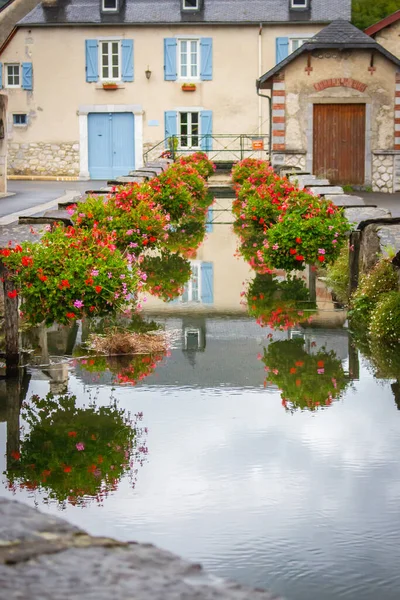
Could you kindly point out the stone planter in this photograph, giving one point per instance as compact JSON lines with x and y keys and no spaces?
{"x":188,"y":88}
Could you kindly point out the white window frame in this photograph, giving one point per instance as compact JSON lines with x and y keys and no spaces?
{"x":7,"y":85}
{"x":190,"y":7}
{"x":110,"y":42}
{"x":189,"y":147}
{"x":20,"y":124}
{"x":188,"y":77}
{"x":192,"y":330}
{"x":189,"y":284}
{"x":304,"y":40}
{"x":104,"y":9}
{"x":304,"y":5}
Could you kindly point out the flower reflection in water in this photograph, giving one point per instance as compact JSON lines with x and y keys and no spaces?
{"x":308,"y":381}
{"x":278,"y":303}
{"x":75,"y":455}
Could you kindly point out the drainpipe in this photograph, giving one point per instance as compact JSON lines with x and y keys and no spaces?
{"x":259,"y":75}
{"x":270,"y":116}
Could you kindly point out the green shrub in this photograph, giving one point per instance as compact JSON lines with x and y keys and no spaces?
{"x":385,"y":318}
{"x":338,"y":276}
{"x":380,"y":280}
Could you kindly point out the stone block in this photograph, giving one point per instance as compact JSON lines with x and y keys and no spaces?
{"x":46,"y":558}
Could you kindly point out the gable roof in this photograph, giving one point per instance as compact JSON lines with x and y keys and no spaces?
{"x":340,"y":35}
{"x":158,"y":12}
{"x":383,"y":23}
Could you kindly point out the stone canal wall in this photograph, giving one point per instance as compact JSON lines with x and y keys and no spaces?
{"x":46,"y":558}
{"x":43,"y":159}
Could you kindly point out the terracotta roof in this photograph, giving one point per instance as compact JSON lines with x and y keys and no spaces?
{"x":159,"y":12}
{"x":340,"y":35}
{"x":383,"y":23}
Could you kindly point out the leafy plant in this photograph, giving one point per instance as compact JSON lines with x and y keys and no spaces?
{"x":338,"y":275}
{"x":385,"y":318}
{"x":166,"y":275}
{"x":72,"y":273}
{"x":381,"y":279}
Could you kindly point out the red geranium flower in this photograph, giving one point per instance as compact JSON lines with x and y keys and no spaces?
{"x":293,"y":251}
{"x":72,"y":433}
{"x":67,"y":469}
{"x":12,"y":294}
{"x":299,"y":257}
{"x":98,"y":289}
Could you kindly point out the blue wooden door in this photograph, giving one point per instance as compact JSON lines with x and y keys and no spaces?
{"x":111,"y":144}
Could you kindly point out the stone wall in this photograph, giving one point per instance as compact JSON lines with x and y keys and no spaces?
{"x":382,"y":172}
{"x":43,"y":159}
{"x":288,"y":159}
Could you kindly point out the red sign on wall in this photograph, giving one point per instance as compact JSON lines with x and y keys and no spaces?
{"x":258,"y":144}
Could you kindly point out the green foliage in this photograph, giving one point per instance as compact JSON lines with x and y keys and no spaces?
{"x":310,"y":231}
{"x":125,"y":369}
{"x":367,"y":12}
{"x":72,"y":273}
{"x":200,"y":161}
{"x":381,"y":279}
{"x":385,"y":318}
{"x":338,"y":275}
{"x":72,"y":453}
{"x":307,"y":381}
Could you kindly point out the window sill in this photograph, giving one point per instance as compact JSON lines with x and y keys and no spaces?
{"x":20,"y":125}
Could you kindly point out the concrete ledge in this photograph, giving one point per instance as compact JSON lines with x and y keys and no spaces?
{"x":43,"y":178}
{"x":46,"y":558}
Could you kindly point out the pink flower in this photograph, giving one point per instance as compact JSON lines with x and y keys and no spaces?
{"x":80,"y":446}
{"x":275,"y":247}
{"x":321,"y":251}
{"x":320,"y":371}
{"x":78,"y":304}
{"x":94,"y":272}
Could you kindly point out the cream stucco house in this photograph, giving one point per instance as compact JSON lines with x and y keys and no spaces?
{"x":62,"y":120}
{"x":387,"y":33}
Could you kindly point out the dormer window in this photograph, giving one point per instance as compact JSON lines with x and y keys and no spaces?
{"x":109,"y":5}
{"x":190,"y":4}
{"x":299,"y":4}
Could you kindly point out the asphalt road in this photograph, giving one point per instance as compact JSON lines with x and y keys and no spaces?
{"x":33,"y":193}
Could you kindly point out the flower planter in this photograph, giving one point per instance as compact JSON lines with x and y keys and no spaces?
{"x":110,"y":86}
{"x":188,"y":88}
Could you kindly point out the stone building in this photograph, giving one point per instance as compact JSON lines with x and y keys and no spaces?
{"x":336,"y":108}
{"x":94,"y":84}
{"x":387,"y":33}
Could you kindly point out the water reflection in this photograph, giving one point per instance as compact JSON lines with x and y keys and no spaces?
{"x":306,"y":380}
{"x":73,"y":454}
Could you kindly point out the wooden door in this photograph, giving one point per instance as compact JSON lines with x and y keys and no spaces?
{"x":339,"y":142}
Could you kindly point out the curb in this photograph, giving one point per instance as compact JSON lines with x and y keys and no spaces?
{"x":44,"y":178}
{"x":13,"y":217}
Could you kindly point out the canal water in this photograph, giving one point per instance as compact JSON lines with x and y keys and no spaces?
{"x":269,"y":456}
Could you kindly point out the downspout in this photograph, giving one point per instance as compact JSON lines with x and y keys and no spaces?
{"x":259,"y":75}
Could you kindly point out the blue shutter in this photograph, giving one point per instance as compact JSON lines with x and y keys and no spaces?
{"x":282,"y":48}
{"x":127,"y":60}
{"x":171,"y":124}
{"x":170,"y":49}
{"x":185,"y":295}
{"x":209,"y":223}
{"x":92,"y":60}
{"x":206,"y":59}
{"x":1,"y":75}
{"x":27,"y":72}
{"x":207,"y":283}
{"x":206,"y":130}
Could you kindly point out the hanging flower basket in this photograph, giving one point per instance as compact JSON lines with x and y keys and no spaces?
{"x":110,"y":86}
{"x":188,"y":87}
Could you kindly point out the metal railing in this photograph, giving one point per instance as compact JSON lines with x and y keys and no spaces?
{"x":218,"y":147}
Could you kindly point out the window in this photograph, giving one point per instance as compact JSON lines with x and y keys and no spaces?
{"x":189,"y":133}
{"x":189,"y":59}
{"x":190,"y":4}
{"x":295,"y":43}
{"x":192,"y":292}
{"x":298,"y":3}
{"x":13,"y":76}
{"x":110,"y":5}
{"x":110,"y":60}
{"x":20,"y":119}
